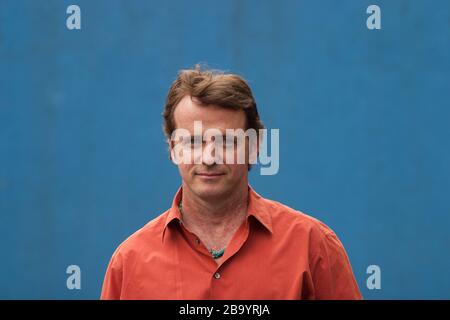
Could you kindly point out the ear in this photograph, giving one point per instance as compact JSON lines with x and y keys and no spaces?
{"x":253,"y":148}
{"x":169,"y":148}
{"x":258,"y":146}
{"x":260,"y":139}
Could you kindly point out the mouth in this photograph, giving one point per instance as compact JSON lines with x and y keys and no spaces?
{"x":210,"y":175}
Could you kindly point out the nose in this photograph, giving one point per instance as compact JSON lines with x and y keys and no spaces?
{"x":208,"y":155}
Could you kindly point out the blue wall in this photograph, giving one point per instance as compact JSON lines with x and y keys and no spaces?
{"x":363,"y":118}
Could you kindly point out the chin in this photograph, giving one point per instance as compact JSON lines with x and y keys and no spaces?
{"x":206,"y":190}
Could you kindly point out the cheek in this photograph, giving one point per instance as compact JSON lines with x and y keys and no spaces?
{"x":238,"y":170}
{"x":185,"y":169}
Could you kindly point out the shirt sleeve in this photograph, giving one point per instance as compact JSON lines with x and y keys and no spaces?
{"x":112,"y":284}
{"x":331,"y":272}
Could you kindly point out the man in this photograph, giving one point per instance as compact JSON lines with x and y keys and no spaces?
{"x":220,"y":239}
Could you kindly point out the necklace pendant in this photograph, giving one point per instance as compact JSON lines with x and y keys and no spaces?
{"x":217,"y":254}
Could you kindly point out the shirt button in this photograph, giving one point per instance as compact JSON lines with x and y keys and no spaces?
{"x":217,"y":275}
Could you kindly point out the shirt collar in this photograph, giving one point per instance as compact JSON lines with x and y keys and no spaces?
{"x":257,"y":207}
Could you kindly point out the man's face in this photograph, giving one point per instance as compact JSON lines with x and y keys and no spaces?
{"x":208,"y":179}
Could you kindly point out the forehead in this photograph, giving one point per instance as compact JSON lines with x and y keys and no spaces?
{"x":189,"y":110}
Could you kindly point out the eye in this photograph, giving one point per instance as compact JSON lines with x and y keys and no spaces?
{"x":231,"y":142}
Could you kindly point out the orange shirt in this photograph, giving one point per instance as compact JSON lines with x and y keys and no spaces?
{"x":277,"y":253}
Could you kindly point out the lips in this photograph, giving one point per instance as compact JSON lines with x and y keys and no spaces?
{"x":209,"y":174}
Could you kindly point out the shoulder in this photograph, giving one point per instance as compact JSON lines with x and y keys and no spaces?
{"x":146,"y":238}
{"x":300,"y":228}
{"x":287,"y":218}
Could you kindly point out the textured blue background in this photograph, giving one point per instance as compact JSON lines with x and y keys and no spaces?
{"x":363,"y":118}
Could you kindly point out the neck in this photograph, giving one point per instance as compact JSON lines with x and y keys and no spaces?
{"x":219,"y":217}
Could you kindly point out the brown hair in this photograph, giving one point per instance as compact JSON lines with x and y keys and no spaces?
{"x":211,"y":87}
